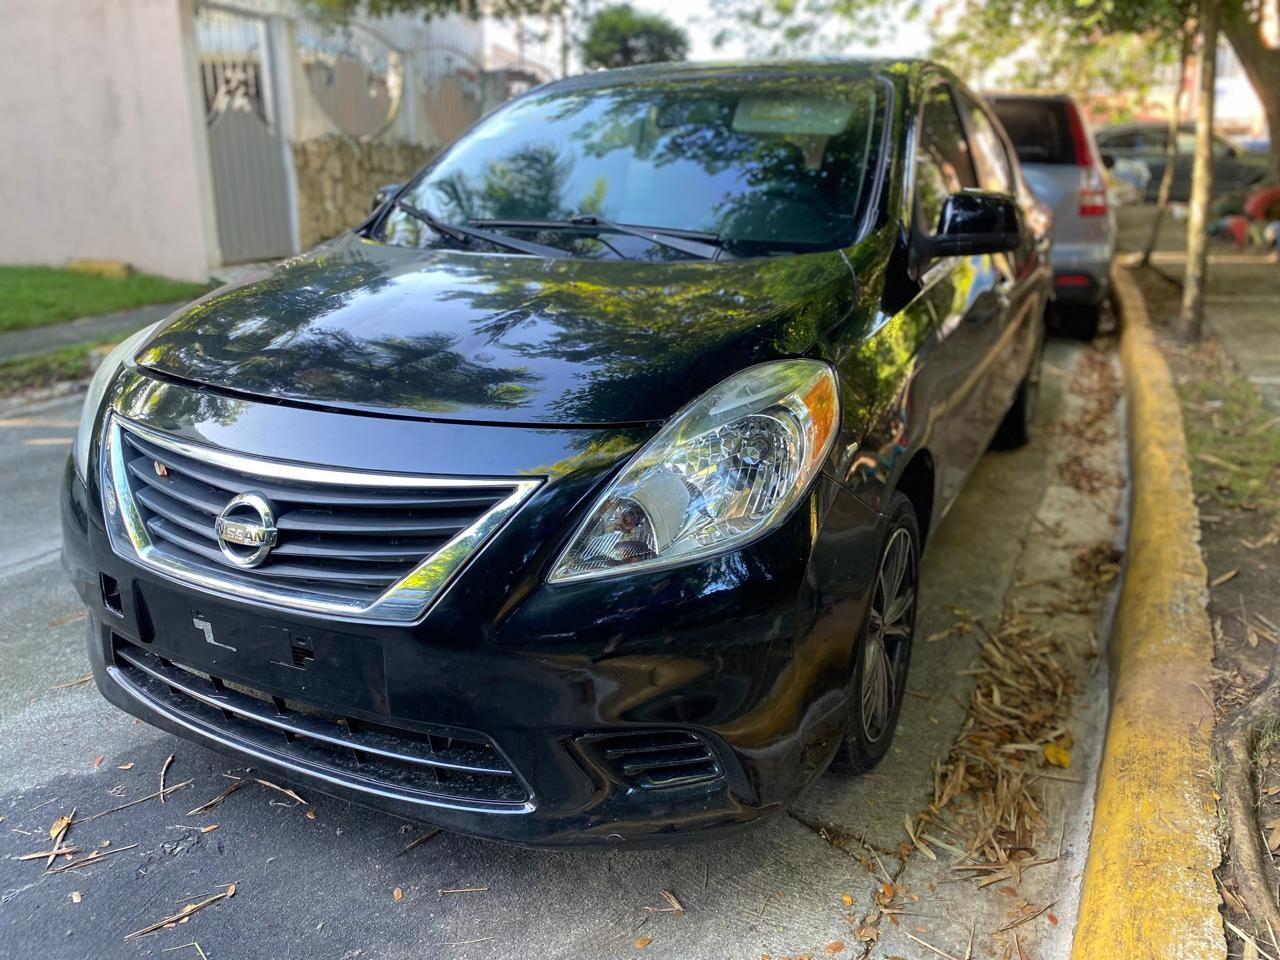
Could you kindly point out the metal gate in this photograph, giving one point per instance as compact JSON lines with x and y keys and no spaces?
{"x":247,"y":148}
{"x":450,"y":93}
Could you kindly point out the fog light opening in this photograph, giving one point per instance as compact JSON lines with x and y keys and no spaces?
{"x":111,"y":594}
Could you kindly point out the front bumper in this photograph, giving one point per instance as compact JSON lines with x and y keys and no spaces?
{"x":745,"y":656}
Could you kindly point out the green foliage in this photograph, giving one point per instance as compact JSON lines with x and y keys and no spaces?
{"x":38,"y":296}
{"x":620,"y":36}
{"x":1054,"y":42}
{"x":1112,"y":71}
{"x":428,"y":9}
{"x":782,"y":28}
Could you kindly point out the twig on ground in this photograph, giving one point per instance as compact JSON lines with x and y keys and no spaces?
{"x":183,"y":914}
{"x":930,"y":946}
{"x":422,"y":839}
{"x":77,"y":682}
{"x":89,"y":860}
{"x":1027,"y":919}
{"x":163,"y":770}
{"x":182,"y":946}
{"x":279,"y":789}
{"x":210,"y":804}
{"x":463,"y":943}
{"x":123,"y":806}
{"x":57,"y":851}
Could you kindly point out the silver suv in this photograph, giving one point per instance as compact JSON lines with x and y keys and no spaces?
{"x":1063,"y":167}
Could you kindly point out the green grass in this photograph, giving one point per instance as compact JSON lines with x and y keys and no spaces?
{"x":38,"y":296}
{"x":69,"y":363}
{"x":1234,"y":439}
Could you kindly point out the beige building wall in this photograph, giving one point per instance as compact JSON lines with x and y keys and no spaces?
{"x":101,"y":153}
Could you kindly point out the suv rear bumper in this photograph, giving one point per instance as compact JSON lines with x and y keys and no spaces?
{"x":1082,"y":273}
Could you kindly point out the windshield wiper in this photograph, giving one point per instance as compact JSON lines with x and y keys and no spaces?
{"x":464,"y":235}
{"x":705,"y":246}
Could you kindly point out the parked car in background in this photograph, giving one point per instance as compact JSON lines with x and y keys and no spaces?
{"x":1062,"y":164}
{"x":579,"y":494}
{"x":1234,"y":167}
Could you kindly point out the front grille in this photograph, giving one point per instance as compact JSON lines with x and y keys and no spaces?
{"x":656,"y":759}
{"x":345,"y":542}
{"x":443,"y":767}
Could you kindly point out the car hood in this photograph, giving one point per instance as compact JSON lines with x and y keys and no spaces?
{"x":446,"y":335}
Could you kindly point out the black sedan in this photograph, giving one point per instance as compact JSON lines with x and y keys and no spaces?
{"x":1234,"y":168}
{"x":579,"y":494}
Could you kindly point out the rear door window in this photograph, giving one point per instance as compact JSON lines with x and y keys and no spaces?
{"x":1040,"y":129}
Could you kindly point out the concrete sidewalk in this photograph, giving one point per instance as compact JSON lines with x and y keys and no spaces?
{"x":18,"y":344}
{"x":1242,"y":302}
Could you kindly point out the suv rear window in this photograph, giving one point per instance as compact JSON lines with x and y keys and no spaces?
{"x":1040,"y":129}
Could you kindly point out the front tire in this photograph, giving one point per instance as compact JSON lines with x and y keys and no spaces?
{"x":883,"y":652}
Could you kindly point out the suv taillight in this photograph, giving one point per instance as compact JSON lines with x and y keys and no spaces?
{"x":1093,"y":181}
{"x":1093,"y":193}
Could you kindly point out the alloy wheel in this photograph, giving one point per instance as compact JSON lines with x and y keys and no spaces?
{"x":889,"y":629}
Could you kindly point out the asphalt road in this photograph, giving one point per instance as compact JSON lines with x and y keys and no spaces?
{"x":319,"y":879}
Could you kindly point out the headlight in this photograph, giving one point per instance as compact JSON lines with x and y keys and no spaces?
{"x":98,"y":386}
{"x":725,"y":469}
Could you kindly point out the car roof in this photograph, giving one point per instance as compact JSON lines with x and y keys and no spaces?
{"x":1018,"y":95}
{"x":816,"y":68}
{"x":1186,"y":126}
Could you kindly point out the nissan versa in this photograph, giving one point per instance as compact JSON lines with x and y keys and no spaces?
{"x":578,"y":495}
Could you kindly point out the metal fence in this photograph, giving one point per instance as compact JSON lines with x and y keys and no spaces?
{"x":277,"y":84}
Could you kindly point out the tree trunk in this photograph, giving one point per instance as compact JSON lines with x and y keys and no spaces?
{"x":564,"y":40}
{"x":1262,"y":66}
{"x":1191,"y":318}
{"x":1170,"y":151}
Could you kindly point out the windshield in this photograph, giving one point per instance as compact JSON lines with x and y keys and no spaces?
{"x":762,"y":166}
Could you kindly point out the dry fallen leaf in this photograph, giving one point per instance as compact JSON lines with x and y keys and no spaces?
{"x":75,"y":896}
{"x":397,"y":894}
{"x":1052,"y":919}
{"x":847,"y":900}
{"x":209,"y":829}
{"x":834,"y":948}
{"x":1056,"y":755}
{"x":1273,"y":840}
{"x":126,"y":766}
{"x":867,"y":934}
{"x":97,"y":761}
{"x":642,"y":942}
{"x":311,"y":814}
{"x":59,"y":827}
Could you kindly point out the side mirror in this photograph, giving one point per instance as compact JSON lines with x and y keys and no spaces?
{"x":975,"y":222}
{"x":383,"y":194}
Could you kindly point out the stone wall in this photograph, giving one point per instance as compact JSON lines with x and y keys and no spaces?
{"x":337,"y":178}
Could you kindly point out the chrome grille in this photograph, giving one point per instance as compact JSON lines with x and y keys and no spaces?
{"x":380,"y":545}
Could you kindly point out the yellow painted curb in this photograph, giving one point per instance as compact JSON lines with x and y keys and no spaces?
{"x":1149,"y":890}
